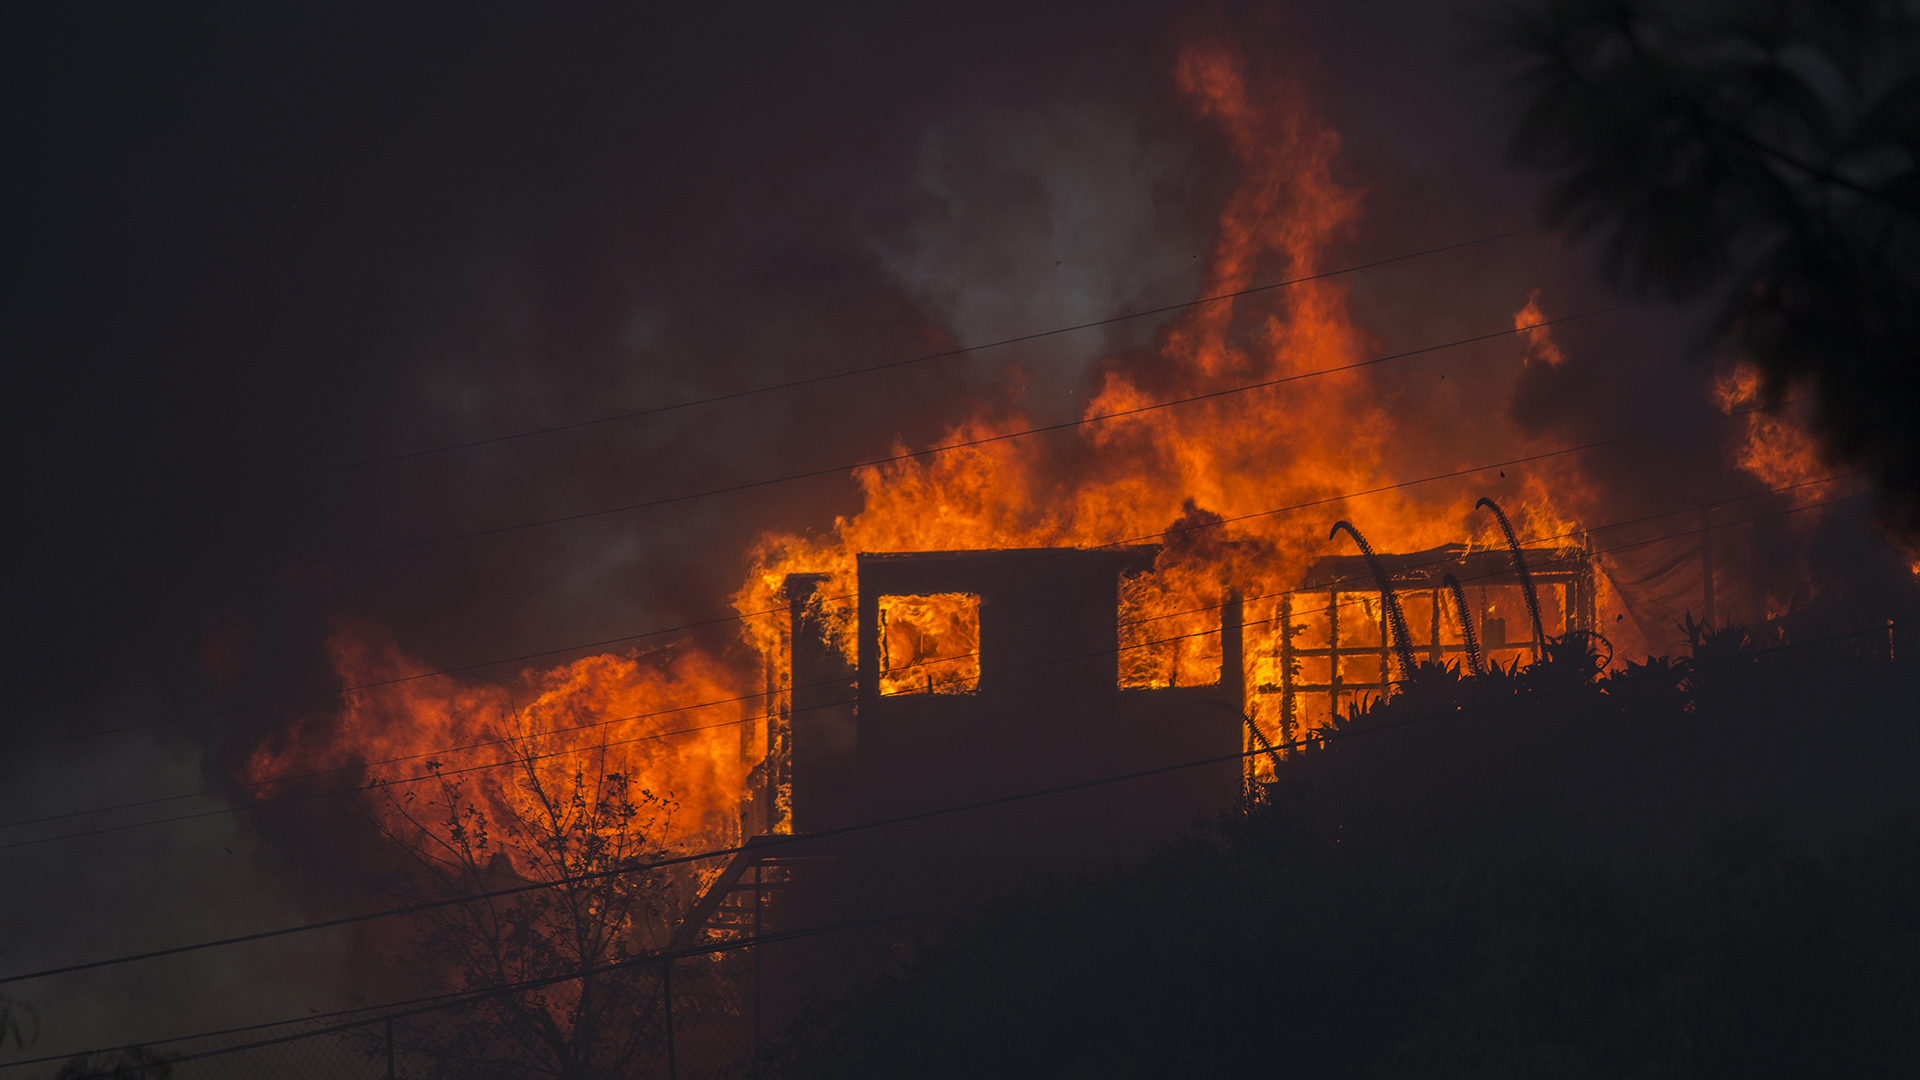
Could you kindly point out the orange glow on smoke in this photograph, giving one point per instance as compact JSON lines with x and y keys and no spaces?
{"x":1778,"y":449}
{"x":1540,"y":344}
{"x":1169,"y":475}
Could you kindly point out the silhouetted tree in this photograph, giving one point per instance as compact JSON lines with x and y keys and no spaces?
{"x":559,"y":819}
{"x":1761,"y":154}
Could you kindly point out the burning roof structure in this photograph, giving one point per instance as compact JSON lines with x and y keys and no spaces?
{"x":1331,"y":636}
{"x":990,"y":675}
{"x":983,"y":673}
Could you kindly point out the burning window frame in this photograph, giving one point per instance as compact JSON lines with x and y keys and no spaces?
{"x":948,"y":622}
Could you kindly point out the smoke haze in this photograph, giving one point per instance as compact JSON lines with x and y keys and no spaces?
{"x":271,"y":249}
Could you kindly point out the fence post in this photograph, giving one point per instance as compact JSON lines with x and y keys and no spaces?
{"x":666,"y":988}
{"x":389,"y":1048}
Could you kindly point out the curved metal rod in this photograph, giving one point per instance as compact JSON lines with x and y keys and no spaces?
{"x":1273,"y":754}
{"x":1474,"y":663}
{"x":1402,"y":641}
{"x":1520,"y":567}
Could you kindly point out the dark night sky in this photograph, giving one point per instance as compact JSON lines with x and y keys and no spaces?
{"x":253,"y":243}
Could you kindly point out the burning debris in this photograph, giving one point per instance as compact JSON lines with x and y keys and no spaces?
{"x":1463,"y":600}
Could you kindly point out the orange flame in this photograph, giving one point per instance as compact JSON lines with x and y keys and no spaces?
{"x":1215,"y":468}
{"x":1779,"y":449}
{"x":1218,"y":469}
{"x":1540,"y":344}
{"x":930,"y":644}
{"x":647,"y":716}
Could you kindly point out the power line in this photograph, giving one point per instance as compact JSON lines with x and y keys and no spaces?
{"x":781,"y":841}
{"x":1441,"y":561}
{"x":520,"y":759}
{"x":893,"y":364}
{"x":935,"y":660}
{"x":766,"y":843}
{"x":361,"y":788}
{"x":308,"y":796}
{"x":456,"y":998}
{"x":751,"y":485}
{"x":315,"y":695}
{"x":706,"y":704}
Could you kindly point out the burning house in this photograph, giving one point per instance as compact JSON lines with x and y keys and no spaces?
{"x":1042,"y":634}
{"x":979,"y":674}
{"x":1041,"y":631}
{"x":1015,"y":604}
{"x":978,"y":678}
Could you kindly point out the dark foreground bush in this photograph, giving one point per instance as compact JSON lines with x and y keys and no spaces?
{"x":1463,"y":894}
{"x":1265,"y":949}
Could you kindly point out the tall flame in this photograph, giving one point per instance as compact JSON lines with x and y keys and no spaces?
{"x":1194,"y":475}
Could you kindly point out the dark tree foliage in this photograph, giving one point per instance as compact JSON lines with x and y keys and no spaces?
{"x":1447,"y":887}
{"x":1760,"y":153}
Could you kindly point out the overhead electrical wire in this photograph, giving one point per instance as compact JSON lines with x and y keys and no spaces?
{"x":320,"y":694}
{"x":656,"y":736}
{"x":721,"y":620}
{"x":933,"y":451}
{"x":842,"y":375}
{"x":766,"y":844}
{"x":373,"y":1014}
{"x":895,"y":364}
{"x":814,"y":380}
{"x":443,"y":751}
{"x":803,"y":382}
{"x":455,"y":998}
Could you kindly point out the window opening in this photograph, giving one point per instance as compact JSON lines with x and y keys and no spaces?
{"x":930,"y":644}
{"x":1169,"y":630}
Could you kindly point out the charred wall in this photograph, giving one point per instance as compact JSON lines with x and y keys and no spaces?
{"x":1047,"y":711}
